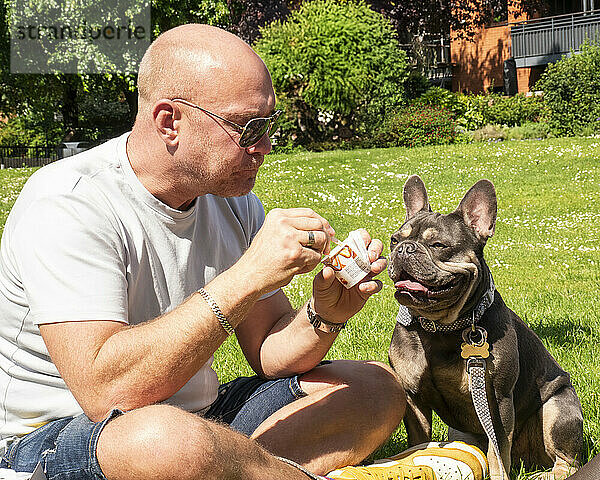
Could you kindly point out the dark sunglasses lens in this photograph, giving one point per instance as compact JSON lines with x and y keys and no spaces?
{"x":254,"y":131}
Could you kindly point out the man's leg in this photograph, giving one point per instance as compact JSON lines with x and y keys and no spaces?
{"x":164,"y":443}
{"x":351,"y":408}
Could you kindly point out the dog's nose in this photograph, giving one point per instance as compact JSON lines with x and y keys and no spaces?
{"x":407,"y":248}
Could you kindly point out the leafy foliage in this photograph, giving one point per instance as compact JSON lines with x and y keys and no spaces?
{"x":420,"y":17}
{"x":167,"y":14}
{"x":481,"y":110}
{"x":571,"y":89}
{"x":246,"y":17}
{"x":529,"y":131}
{"x":90,"y":107}
{"x":20,"y":131}
{"x":408,"y":18}
{"x":418,"y":125}
{"x":66,"y":105}
{"x":440,"y":97}
{"x":476,"y":111}
{"x":336,"y":67}
{"x":416,"y":85}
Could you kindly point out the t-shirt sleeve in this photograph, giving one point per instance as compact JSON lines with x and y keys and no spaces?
{"x":71,"y":261}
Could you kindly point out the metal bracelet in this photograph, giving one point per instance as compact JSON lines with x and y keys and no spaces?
{"x":319,"y":323}
{"x":217,"y":311}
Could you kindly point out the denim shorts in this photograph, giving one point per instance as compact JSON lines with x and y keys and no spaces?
{"x":66,"y":448}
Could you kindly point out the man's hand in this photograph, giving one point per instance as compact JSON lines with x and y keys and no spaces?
{"x":336,"y":303}
{"x":289,"y":243}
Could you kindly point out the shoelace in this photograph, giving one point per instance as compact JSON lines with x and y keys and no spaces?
{"x":395,"y":472}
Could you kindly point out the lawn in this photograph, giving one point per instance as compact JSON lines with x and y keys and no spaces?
{"x":545,"y":255}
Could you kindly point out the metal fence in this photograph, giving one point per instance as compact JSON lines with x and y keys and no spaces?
{"x":545,"y":40}
{"x":16,"y":156}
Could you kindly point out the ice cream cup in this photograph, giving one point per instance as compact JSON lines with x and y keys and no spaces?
{"x":349,"y":260}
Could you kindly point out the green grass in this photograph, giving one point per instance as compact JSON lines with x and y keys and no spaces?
{"x":545,"y":255}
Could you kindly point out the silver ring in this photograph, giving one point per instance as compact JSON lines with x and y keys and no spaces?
{"x":311,"y":239}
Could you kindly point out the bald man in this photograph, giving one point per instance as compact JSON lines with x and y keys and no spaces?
{"x":124,"y":268}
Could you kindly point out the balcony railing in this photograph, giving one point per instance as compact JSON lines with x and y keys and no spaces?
{"x":434,"y":60}
{"x":545,"y":40}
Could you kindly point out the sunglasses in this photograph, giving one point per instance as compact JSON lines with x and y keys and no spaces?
{"x":251,"y":133}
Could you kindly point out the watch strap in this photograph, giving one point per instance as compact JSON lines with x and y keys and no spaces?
{"x":321,"y":324}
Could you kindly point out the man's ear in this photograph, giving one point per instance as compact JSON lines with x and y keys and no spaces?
{"x":166,"y":117}
{"x":415,"y":197}
{"x":479,"y":208}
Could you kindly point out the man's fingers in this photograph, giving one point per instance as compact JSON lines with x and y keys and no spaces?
{"x":371,"y":287}
{"x":378,"y":266}
{"x":304,"y":214}
{"x":375,"y":248}
{"x":313,"y":239}
{"x":366,"y":236}
{"x":328,"y":277}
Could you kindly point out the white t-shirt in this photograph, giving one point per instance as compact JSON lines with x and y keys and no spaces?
{"x":86,"y":241}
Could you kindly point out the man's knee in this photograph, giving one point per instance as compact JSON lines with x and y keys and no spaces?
{"x":372,"y":383}
{"x":157,"y":441}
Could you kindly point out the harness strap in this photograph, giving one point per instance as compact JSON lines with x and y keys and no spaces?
{"x":476,"y":368}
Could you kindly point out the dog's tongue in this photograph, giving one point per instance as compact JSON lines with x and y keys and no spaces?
{"x":410,"y":286}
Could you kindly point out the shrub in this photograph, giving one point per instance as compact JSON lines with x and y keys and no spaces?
{"x":337,"y":68}
{"x":490,"y":133}
{"x":440,"y":97}
{"x":480,"y":110}
{"x":419,"y":125}
{"x":513,"y":111}
{"x":571,"y":89}
{"x":416,"y":85}
{"x":472,"y":110}
{"x":530,"y":130}
{"x":19,"y":130}
{"x":476,"y":111}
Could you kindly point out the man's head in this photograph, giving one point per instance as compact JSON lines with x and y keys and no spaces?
{"x":196,"y":151}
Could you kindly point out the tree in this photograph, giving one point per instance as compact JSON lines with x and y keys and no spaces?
{"x":420,"y":17}
{"x":573,"y":80}
{"x":248,"y":16}
{"x":336,"y":67}
{"x":409,"y":17}
{"x":61,"y":106}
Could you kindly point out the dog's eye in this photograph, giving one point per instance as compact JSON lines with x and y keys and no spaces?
{"x":393,"y":242}
{"x":438,"y":245}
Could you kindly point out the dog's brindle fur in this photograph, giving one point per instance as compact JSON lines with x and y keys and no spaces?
{"x":536,"y":413}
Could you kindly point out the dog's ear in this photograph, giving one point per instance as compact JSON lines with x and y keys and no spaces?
{"x":415,"y":197}
{"x":479,"y":208}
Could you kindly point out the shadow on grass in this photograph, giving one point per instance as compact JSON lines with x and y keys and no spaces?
{"x":565,"y":331}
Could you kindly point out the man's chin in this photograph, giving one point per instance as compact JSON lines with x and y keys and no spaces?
{"x":237,"y":189}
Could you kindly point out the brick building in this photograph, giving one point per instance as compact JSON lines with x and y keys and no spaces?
{"x":511,"y":54}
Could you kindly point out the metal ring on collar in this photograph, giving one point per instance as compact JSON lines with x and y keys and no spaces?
{"x":470,"y":336}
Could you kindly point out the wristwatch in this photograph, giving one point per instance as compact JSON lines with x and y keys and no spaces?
{"x":320,"y":324}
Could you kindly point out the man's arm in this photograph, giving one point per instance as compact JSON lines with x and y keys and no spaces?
{"x":279,"y":341}
{"x":107,"y":364}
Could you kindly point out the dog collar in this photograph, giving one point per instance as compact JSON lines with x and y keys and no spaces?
{"x":405,"y":318}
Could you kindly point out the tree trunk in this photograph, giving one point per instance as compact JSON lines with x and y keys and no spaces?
{"x":70,"y":110}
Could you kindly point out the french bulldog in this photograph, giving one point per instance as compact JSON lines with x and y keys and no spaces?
{"x":445,"y":290}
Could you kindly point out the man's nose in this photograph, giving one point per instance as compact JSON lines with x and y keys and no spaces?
{"x":263,"y":146}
